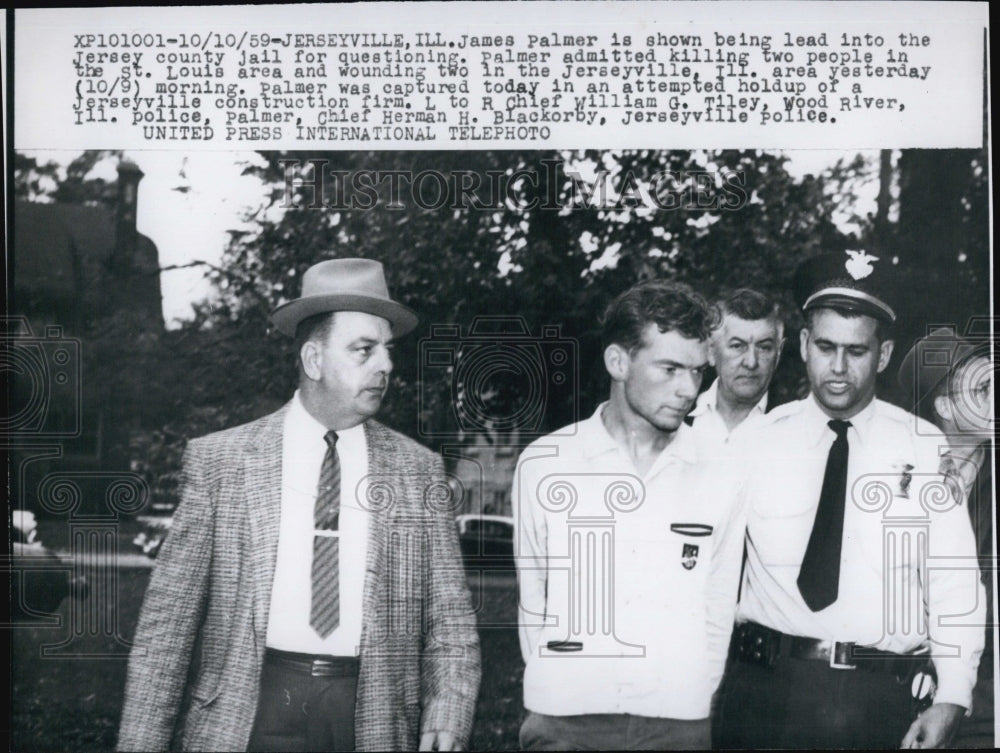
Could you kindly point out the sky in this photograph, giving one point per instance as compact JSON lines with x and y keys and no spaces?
{"x":188,"y":202}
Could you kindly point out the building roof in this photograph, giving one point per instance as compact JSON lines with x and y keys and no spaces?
{"x":62,"y":255}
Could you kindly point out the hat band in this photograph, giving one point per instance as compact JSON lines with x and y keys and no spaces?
{"x":851,"y":293}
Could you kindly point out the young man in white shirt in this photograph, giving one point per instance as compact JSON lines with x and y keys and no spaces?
{"x":628,"y":547}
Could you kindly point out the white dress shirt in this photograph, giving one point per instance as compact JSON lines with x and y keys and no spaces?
{"x":908,"y":561}
{"x":303,"y":450}
{"x":641,"y":571}
{"x":710,"y":427}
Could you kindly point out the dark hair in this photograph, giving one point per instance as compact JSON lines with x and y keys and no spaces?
{"x":671,"y":306}
{"x":311,"y":328}
{"x":883,"y":330}
{"x":748,"y":304}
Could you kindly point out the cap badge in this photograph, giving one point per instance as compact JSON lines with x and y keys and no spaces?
{"x":859,"y":266}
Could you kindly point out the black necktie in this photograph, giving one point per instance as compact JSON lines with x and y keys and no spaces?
{"x":324,"y":615}
{"x":819,"y":576}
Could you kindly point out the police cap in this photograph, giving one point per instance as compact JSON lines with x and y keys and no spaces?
{"x":849,"y":280}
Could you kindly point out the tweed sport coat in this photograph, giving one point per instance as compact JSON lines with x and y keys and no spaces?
{"x":194,"y":673}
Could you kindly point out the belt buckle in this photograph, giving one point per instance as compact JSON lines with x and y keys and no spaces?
{"x":319,"y":668}
{"x":840,"y":654}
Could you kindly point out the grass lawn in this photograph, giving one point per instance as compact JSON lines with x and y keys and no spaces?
{"x":69,"y":697}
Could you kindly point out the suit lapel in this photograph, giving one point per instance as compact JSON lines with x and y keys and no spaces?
{"x":380,"y":446}
{"x":262,"y":492}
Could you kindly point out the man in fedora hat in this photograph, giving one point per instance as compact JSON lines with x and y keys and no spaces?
{"x":948,"y":380}
{"x":310,"y":594}
{"x":850,"y":583}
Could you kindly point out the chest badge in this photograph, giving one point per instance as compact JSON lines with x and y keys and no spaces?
{"x":689,"y":556}
{"x":905,"y":479}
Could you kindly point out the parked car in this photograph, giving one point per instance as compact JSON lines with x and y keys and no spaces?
{"x":487,"y":541}
{"x":154,"y":529}
{"x":39,"y":578}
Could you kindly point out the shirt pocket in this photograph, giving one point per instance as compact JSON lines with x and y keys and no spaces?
{"x":692,"y":543}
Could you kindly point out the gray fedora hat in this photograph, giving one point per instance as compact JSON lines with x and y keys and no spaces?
{"x":344,"y":285}
{"x":931,"y":360}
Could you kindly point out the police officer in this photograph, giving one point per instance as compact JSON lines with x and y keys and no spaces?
{"x":744,"y":350}
{"x":858,"y":587}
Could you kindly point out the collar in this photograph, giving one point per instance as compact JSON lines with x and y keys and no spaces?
{"x":303,"y":426}
{"x":594,"y":436}
{"x":709,"y":400}
{"x":818,"y":430}
{"x":596,"y":439}
{"x":964,"y":453}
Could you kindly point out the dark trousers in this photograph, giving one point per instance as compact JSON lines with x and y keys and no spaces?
{"x":613,"y":732}
{"x":804,"y":704}
{"x":298,"y":711}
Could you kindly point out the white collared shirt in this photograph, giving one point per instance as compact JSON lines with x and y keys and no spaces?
{"x":897,"y":509}
{"x":640,"y":570}
{"x":709,"y":425}
{"x":303,"y":450}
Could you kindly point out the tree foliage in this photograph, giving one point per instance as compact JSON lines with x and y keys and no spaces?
{"x":548,"y":255}
{"x":548,"y":252}
{"x":48,"y":182}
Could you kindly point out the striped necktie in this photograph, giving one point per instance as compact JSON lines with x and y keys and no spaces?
{"x":324,"y":615}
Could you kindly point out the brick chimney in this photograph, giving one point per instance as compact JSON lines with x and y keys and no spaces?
{"x":123,"y":254}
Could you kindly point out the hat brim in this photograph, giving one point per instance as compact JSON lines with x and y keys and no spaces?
{"x":854,"y":303}
{"x":287,"y":316}
{"x":920,"y":381}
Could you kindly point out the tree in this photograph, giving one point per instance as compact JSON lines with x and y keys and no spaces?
{"x":37,"y":182}
{"x":939,"y":242}
{"x":541,"y":239}
{"x":549,"y":254}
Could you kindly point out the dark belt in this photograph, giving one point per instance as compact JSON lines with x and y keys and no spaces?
{"x":317,"y":665}
{"x":757,"y":644}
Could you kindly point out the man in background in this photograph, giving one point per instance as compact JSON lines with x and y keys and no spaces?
{"x":744,"y":350}
{"x":628,"y":547}
{"x":949,"y":380}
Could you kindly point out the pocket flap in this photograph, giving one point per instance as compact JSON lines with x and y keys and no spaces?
{"x":692,"y":529}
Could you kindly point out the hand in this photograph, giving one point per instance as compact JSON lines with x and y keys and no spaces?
{"x":935,"y":727}
{"x":442,"y":740}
